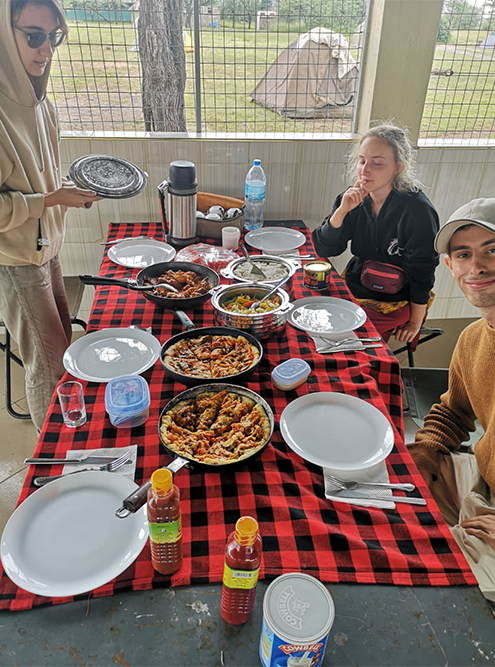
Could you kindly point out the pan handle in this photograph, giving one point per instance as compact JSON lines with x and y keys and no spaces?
{"x":129,"y":283}
{"x":186,"y":322}
{"x":136,"y":500}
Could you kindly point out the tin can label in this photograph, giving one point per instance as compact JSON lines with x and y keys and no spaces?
{"x":275,"y":652}
{"x":317,"y":275}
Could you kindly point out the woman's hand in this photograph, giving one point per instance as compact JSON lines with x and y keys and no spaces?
{"x":352,"y":198}
{"x":71,"y":196}
{"x":407,"y":332}
{"x":482,"y":526}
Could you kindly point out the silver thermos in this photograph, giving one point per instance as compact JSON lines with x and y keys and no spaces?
{"x":178,"y":204}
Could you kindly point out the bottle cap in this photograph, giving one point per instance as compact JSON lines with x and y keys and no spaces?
{"x":161,"y":480}
{"x":256,"y":162}
{"x":246,"y":530}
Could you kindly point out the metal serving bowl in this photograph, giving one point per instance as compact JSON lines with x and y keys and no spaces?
{"x":261,"y":325}
{"x":290,"y":267}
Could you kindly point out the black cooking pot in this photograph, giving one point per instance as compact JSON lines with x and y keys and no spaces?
{"x":137,"y":498}
{"x":190,"y":333}
{"x":155,"y":270}
{"x":217,"y":387}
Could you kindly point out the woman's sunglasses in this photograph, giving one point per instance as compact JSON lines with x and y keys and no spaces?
{"x":37,"y":39}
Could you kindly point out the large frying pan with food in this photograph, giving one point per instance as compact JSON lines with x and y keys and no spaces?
{"x":192,"y":333}
{"x":156,"y":270}
{"x":137,"y":499}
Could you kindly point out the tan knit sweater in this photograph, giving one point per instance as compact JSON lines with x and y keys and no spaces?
{"x":471,"y":395}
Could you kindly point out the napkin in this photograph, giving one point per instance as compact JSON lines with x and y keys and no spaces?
{"x":324,"y":345}
{"x":378,"y":473}
{"x":127,"y":470}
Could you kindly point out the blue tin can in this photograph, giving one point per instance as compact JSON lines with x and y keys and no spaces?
{"x":298,"y":614}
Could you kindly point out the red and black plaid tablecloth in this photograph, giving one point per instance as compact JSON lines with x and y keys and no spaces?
{"x":301,"y":530}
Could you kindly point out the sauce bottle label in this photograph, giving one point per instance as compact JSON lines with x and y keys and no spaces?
{"x":165,"y":533}
{"x":244,"y":579}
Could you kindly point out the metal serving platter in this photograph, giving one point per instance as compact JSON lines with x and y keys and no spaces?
{"x":108,"y":176}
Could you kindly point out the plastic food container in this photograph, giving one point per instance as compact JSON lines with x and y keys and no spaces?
{"x":290,"y":374}
{"x":127,"y":401}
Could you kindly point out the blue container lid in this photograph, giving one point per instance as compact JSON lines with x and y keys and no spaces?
{"x":291,"y":371}
{"x":127,"y":395}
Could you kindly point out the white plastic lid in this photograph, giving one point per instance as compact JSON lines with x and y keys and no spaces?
{"x":298,"y":608}
{"x":127,"y":395}
{"x":291,"y":371}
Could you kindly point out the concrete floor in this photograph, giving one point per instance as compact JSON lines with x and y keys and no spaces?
{"x":19,"y":437}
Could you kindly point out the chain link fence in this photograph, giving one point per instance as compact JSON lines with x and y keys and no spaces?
{"x":257,"y":66}
{"x":248,"y":68}
{"x":460,"y":102}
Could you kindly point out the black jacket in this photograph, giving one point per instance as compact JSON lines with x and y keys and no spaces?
{"x":401,"y":234}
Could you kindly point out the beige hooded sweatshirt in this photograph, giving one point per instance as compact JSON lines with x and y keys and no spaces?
{"x":29,"y":159}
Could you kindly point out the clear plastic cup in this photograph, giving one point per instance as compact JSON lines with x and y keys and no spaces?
{"x":71,"y":397}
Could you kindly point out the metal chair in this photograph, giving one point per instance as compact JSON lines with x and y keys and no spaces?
{"x":426,"y":334}
{"x":75,"y":290}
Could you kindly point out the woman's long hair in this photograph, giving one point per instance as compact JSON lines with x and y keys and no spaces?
{"x":405,"y":180}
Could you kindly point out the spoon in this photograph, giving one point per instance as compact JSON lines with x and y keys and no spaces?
{"x":149,"y":287}
{"x":272,"y":291}
{"x":254,"y":269}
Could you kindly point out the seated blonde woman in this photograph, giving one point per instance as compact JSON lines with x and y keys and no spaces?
{"x":391,"y":225}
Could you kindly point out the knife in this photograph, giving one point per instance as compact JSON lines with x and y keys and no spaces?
{"x":347,"y":348}
{"x":390,"y":499}
{"x":126,"y":238}
{"x":138,"y":498}
{"x":83,"y":459}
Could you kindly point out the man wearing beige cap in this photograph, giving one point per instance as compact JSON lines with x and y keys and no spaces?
{"x":463,"y":484}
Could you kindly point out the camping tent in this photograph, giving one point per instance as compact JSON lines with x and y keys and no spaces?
{"x":315,"y":76}
{"x":489,"y":40}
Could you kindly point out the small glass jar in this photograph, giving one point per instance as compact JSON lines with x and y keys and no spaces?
{"x":290,"y":374}
{"x":127,"y":401}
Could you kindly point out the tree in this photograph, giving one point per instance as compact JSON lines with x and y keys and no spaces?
{"x":443,"y":34}
{"x":462,"y":15}
{"x":161,"y":51}
{"x":338,"y":15}
{"x":240,"y":10}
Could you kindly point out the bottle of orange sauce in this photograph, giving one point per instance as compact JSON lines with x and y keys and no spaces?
{"x":241,"y":571}
{"x":164,"y":521}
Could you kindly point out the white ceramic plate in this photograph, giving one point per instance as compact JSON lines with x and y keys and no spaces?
{"x":275,"y":240}
{"x":326,"y":315}
{"x":65,"y":539}
{"x":139,"y":253}
{"x":336,"y":431}
{"x":102,"y":355}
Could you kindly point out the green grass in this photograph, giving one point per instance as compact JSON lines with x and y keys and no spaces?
{"x":96,"y":82}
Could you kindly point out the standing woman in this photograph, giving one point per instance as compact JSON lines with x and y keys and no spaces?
{"x":392,"y":226}
{"x":33,"y":197}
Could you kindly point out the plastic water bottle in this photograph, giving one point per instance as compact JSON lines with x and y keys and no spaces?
{"x":254,"y":196}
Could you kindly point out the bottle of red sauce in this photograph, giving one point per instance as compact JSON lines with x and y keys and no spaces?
{"x":164,"y":521}
{"x":241,"y":571}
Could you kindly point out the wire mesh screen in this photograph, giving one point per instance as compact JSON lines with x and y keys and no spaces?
{"x":233,"y":66}
{"x":460,"y":102}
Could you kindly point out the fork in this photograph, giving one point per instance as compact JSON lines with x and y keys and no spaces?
{"x":109,"y":467}
{"x":346,"y":341}
{"x":349,"y":486}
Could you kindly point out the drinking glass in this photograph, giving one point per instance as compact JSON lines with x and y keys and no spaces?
{"x":71,"y":397}
{"x":230,"y":238}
